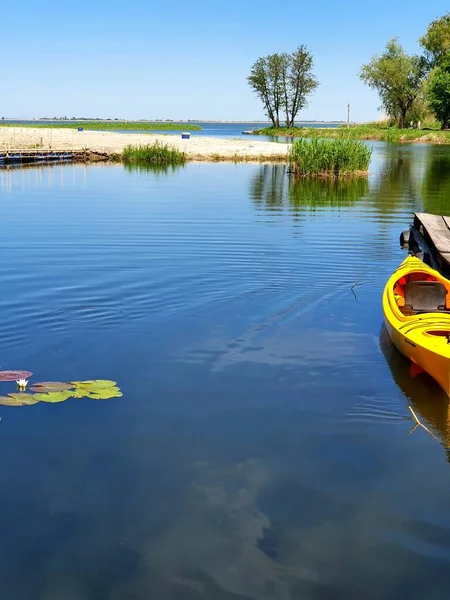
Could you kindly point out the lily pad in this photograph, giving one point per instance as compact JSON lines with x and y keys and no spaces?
{"x":105,"y":394}
{"x":95,"y":383}
{"x":51,"y":386}
{"x":81,"y":393}
{"x":18,"y":400}
{"x":53,"y":397}
{"x":14,"y":375}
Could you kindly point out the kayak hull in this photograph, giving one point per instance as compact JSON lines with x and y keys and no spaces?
{"x":424,"y":338}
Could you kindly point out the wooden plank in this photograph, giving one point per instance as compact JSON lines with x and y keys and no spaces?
{"x":447,"y":220}
{"x":437,"y":230}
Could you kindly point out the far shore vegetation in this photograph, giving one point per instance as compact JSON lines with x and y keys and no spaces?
{"x":380,"y":131}
{"x":108,"y":125}
{"x":329,"y":158}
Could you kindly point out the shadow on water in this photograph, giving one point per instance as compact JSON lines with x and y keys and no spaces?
{"x":427,"y":398}
{"x":273,"y":188}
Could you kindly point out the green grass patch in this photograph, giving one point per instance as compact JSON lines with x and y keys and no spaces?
{"x":429,"y":133}
{"x":108,"y":125}
{"x":157,"y":154}
{"x":329,"y":158}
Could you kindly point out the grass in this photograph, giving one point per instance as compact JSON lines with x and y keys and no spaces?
{"x":108,"y":125}
{"x":329,"y":158}
{"x":157,"y":154}
{"x":430,"y":133}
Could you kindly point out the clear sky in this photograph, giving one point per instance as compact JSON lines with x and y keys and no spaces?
{"x":183,"y":59}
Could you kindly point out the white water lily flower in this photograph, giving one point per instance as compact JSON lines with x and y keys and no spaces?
{"x":22,"y":383}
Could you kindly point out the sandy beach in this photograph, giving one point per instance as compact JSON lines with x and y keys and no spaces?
{"x":108,"y":143}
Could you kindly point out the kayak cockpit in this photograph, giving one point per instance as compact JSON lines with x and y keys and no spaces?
{"x":417,"y":293}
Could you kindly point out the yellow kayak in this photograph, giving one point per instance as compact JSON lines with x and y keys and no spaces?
{"x":416,"y":306}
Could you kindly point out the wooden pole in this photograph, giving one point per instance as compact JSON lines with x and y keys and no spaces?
{"x":348,"y":115}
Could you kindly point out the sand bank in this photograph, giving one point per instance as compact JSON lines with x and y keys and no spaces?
{"x":109,"y":143}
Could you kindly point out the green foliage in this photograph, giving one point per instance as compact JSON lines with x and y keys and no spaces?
{"x":153,"y":154}
{"x":397,"y":77}
{"x":110,"y":125}
{"x":282,"y":82}
{"x":436,"y":41}
{"x":371,"y":131}
{"x":438,"y":91}
{"x":321,"y":157}
{"x":439,"y":95}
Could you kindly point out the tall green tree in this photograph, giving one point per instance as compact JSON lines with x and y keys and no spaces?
{"x":397,"y":77}
{"x":282,"y":82}
{"x":436,"y":40}
{"x":438,"y":91}
{"x":266,"y":80}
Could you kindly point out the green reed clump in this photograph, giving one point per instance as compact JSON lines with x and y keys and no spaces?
{"x":329,"y":157}
{"x":383,"y":132}
{"x":153,"y":154}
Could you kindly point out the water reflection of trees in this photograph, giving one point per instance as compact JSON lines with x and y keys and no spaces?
{"x":321,"y":193}
{"x":397,"y":181}
{"x":155,"y":169}
{"x":428,"y":400}
{"x":436,"y":181}
{"x":268,"y":186}
{"x":273,"y":188}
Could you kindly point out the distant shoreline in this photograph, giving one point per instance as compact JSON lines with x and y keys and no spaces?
{"x":108,"y":145}
{"x":7,"y":120}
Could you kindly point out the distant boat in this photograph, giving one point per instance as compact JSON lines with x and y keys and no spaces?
{"x":248,"y":132}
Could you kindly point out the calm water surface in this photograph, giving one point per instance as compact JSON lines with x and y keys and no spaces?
{"x":261,"y":448}
{"x":228,"y":130}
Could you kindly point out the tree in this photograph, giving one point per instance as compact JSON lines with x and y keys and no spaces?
{"x":436,"y":41}
{"x":438,"y":91}
{"x":397,"y":77}
{"x":282,"y":82}
{"x":298,"y":82}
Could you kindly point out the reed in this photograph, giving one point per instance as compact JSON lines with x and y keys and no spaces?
{"x":430,"y":133}
{"x":329,"y":158}
{"x":153,"y":154}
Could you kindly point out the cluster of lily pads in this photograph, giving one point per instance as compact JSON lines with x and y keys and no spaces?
{"x":55,"y":391}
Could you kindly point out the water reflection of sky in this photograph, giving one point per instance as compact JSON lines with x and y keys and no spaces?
{"x":261,"y":448}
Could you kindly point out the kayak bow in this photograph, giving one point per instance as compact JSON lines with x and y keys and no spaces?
{"x":416,"y":307}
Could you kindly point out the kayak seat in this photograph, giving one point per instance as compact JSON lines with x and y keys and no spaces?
{"x":425,"y":296}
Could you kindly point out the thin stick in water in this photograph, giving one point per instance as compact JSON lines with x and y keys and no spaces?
{"x":418,"y":423}
{"x":353,"y":288}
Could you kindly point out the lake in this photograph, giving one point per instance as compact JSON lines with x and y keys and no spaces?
{"x":219,"y":129}
{"x":261,"y":448}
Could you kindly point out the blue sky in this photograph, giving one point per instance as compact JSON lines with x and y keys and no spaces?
{"x":190,"y":60}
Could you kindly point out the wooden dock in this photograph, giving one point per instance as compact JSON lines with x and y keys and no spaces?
{"x":430,"y":234}
{"x":37,"y":155}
